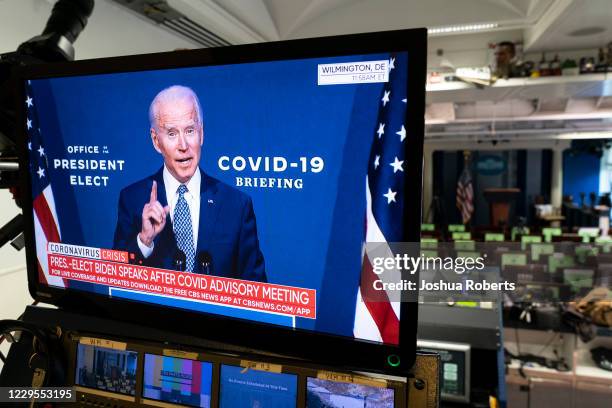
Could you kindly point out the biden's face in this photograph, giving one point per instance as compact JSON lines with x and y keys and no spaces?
{"x":178,"y":137}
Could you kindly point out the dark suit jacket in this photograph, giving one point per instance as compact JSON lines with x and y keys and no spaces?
{"x":227,"y":230}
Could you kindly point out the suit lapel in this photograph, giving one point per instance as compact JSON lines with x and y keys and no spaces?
{"x":161,"y":187}
{"x":209,"y":210}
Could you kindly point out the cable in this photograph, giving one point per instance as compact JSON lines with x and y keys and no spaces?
{"x":554,"y":336}
{"x":558,"y":364}
{"x":19,"y":318}
{"x":41,"y":353}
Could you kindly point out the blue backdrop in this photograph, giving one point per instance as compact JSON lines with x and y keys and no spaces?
{"x":255,"y":109}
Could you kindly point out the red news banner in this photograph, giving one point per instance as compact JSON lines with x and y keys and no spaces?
{"x":110,"y":268}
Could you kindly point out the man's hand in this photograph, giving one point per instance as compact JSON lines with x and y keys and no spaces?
{"x":153,"y":218}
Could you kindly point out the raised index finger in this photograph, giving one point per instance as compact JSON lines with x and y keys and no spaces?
{"x":153,"y":192}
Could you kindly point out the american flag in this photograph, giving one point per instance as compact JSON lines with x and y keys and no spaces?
{"x":377,"y":315}
{"x":46,"y":225}
{"x":465,"y":194}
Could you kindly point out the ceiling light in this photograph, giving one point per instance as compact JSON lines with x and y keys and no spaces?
{"x":466,"y":28}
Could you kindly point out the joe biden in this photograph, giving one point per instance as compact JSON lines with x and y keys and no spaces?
{"x":180,"y":217}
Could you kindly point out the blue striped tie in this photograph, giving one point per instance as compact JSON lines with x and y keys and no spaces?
{"x":183,"y":230}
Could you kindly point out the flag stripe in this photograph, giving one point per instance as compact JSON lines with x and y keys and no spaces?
{"x":43,"y":213}
{"x":48,"y":193}
{"x":375,"y":235}
{"x":365,"y":322}
{"x":380,"y":308}
{"x":41,"y":254}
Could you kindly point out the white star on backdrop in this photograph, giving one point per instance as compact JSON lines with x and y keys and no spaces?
{"x":402,"y":133}
{"x":385,"y":98}
{"x":397,"y":165}
{"x":29,"y":102}
{"x":391,"y":64}
{"x":29,"y":123}
{"x":376,"y":162}
{"x":29,"y":145}
{"x":390,"y":196}
{"x":41,"y":172}
{"x":41,"y":151}
{"x":381,"y":130}
{"x":404,"y":100}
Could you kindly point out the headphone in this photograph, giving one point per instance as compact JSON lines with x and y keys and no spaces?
{"x":41,"y":358}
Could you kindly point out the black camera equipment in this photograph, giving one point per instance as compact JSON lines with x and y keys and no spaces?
{"x":67,"y":20}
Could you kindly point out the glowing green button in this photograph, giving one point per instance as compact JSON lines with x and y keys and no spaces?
{"x":393,"y":360}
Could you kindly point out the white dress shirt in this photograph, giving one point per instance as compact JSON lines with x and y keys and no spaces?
{"x":192,"y":196}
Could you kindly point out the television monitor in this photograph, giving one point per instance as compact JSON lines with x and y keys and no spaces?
{"x":515,"y":258}
{"x":539,"y":249}
{"x":528,"y":239}
{"x":428,"y":227}
{"x":465,"y":245}
{"x":326,"y":393}
{"x":429,"y":253}
{"x":494,"y":237}
{"x":106,"y":369}
{"x":429,"y":243}
{"x":461,"y":235}
{"x":549,"y":232}
{"x":177,"y":380}
{"x":559,"y":260}
{"x":588,"y":232}
{"x":468,"y":254}
{"x":455,"y":363}
{"x":578,"y":279}
{"x":517,"y":231}
{"x":241,"y":387}
{"x":230,"y":191}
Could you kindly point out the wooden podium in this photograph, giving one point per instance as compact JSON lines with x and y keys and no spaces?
{"x":500,"y":200}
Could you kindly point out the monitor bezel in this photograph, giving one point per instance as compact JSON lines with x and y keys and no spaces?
{"x":326,"y":348}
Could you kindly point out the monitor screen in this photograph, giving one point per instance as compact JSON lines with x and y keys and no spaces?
{"x":325,"y":393}
{"x":106,"y":369}
{"x":231,"y":190}
{"x":240,"y":387}
{"x":579,"y":278}
{"x":177,"y":380}
{"x":454,"y":368}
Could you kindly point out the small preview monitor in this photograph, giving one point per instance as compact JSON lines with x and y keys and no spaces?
{"x":242,"y":387}
{"x":560,"y":260}
{"x":454,"y":368}
{"x":177,"y":380}
{"x":325,"y":393}
{"x":579,"y":279}
{"x":494,"y":237}
{"x":106,"y":369}
{"x":540,"y":249}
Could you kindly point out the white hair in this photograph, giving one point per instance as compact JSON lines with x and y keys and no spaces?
{"x":171,"y":94}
